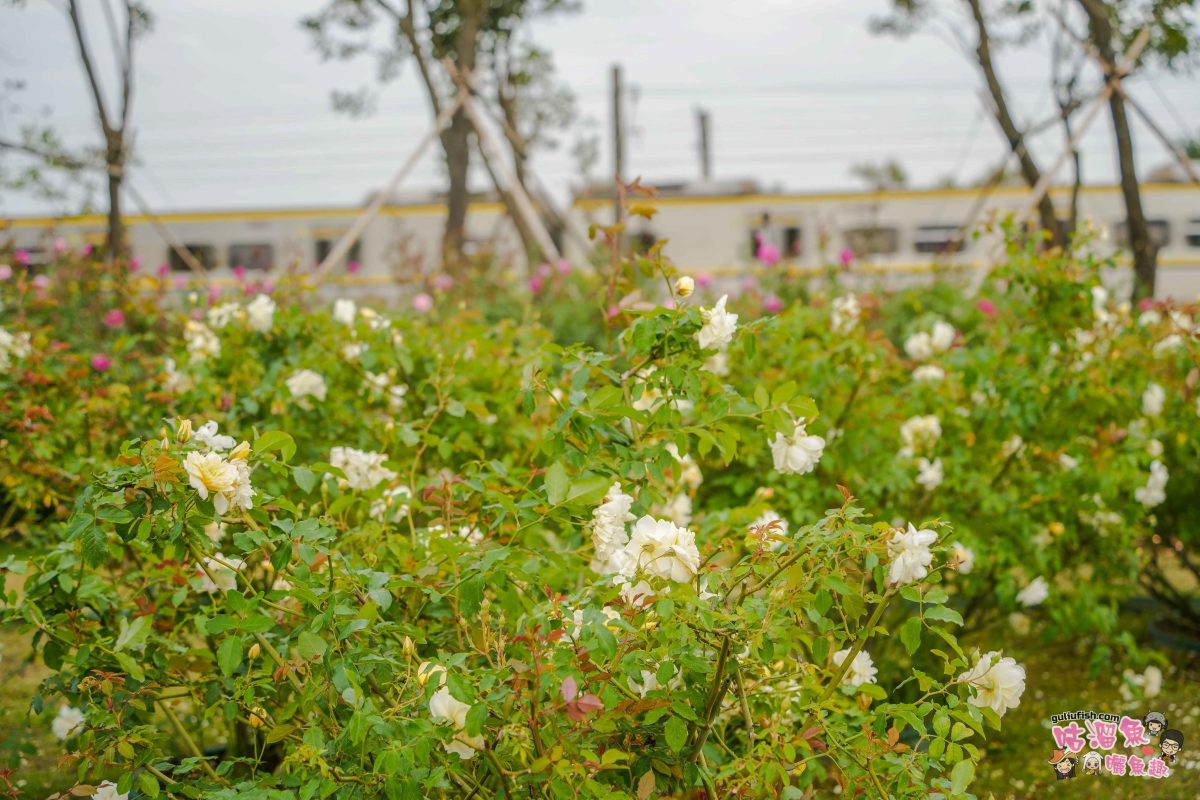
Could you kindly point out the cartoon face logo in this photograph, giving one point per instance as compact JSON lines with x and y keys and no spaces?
{"x":1092,"y":764}
{"x":1172,"y":743}
{"x":1155,"y":723}
{"x":1063,"y":763}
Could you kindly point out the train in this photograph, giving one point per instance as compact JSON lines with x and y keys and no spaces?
{"x":716,"y":229}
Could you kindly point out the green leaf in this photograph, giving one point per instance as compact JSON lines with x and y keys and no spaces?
{"x":945,"y":614}
{"x":305,"y":478}
{"x":556,"y":483}
{"x":910,"y":634}
{"x":310,"y":646}
{"x":131,"y":666}
{"x":476,"y":717}
{"x":148,"y":784}
{"x":229,"y":655}
{"x":133,"y":635}
{"x":837,"y":584}
{"x":762,"y":398}
{"x":961,"y":776}
{"x":280,"y":732}
{"x":276,"y":440}
{"x":677,"y":731}
{"x":95,"y":546}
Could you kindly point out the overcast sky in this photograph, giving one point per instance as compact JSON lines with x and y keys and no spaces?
{"x":233,"y":103}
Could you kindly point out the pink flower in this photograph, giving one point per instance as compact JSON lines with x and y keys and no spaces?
{"x":613,"y":311}
{"x":749,"y":283}
{"x":442,"y":282}
{"x":422,"y":303}
{"x":846,"y":256}
{"x":267,"y":286}
{"x":87,"y":249}
{"x":135,"y":264}
{"x":772,"y":304}
{"x":60,"y":246}
{"x":239,"y":272}
{"x":564,"y":267}
{"x":5,"y":272}
{"x":163,"y":269}
{"x":1145,"y":304}
{"x":536,"y":283}
{"x":101,"y":362}
{"x":703,"y":281}
{"x":180,"y":281}
{"x":768,"y":254}
{"x":669,"y":303}
{"x":352,"y":267}
{"x":214,"y":294}
{"x":41,"y":281}
{"x":987,"y":307}
{"x":544,"y":270}
{"x":114,"y":318}
{"x":22,"y":257}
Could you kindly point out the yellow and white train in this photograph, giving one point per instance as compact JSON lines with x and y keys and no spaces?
{"x":711,"y":228}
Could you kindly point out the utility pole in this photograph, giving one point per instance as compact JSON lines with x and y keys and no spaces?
{"x":705,"y":153}
{"x":618,"y":133}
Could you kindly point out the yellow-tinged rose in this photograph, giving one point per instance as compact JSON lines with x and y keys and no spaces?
{"x":241,"y":451}
{"x":183,"y":433}
{"x":208,"y":472}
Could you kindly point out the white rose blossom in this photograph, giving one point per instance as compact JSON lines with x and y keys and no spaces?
{"x":942,"y":336}
{"x":998,"y":682}
{"x":363,"y":470}
{"x":919,"y":346}
{"x":1153,"y":399}
{"x":964,"y":556}
{"x":222,"y":314}
{"x":344,"y":311}
{"x":207,"y":437}
{"x":1155,"y":490}
{"x":844,"y":314}
{"x":201,"y":342}
{"x":68,"y":722}
{"x":445,"y":708}
{"x":910,"y":554}
{"x":218,"y":573}
{"x":919,"y":434}
{"x":862,"y":669}
{"x":662,"y":548}
{"x":797,"y":454}
{"x":12,"y":345}
{"x":1034,"y":593}
{"x":929,"y":372}
{"x":108,"y":791}
{"x":260,"y":313}
{"x":719,"y":326}
{"x":608,"y":530}
{"x":930,"y":473}
{"x":305,"y":383}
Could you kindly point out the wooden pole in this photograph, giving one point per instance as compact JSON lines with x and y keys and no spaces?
{"x":184,"y":254}
{"x":702,"y":118}
{"x":373,"y":208}
{"x":618,"y":135}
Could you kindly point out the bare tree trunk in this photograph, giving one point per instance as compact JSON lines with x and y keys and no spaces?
{"x":1029,"y":168}
{"x":456,"y":143}
{"x":1145,"y":253}
{"x":115,"y":244}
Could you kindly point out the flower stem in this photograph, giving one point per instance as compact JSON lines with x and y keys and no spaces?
{"x":188,"y":741}
{"x":856,"y":648}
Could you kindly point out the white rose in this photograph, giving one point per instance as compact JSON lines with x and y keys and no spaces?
{"x":68,"y":722}
{"x":260,"y":313}
{"x":344,"y":311}
{"x":660,"y":547}
{"x":919,"y":346}
{"x":910,"y":554}
{"x":799,"y":454}
{"x":108,"y":791}
{"x":942,"y":337}
{"x":1035,"y":593}
{"x":719,"y":326}
{"x":862,"y":668}
{"x":998,"y":682}
{"x":929,"y":473}
{"x":1153,"y":399}
{"x":305,"y":383}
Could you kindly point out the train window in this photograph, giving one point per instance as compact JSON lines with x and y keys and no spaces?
{"x":206,"y":254}
{"x":872,"y":240}
{"x":937,"y":239}
{"x":1160,"y":232}
{"x":642,"y":241}
{"x":1193,"y":233}
{"x":252,"y":256}
{"x":793,"y":242}
{"x":325,"y":247}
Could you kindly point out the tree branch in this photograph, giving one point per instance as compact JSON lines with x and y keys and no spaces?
{"x":86,"y":57}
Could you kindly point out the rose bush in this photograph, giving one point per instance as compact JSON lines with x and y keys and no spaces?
{"x":329,"y":551}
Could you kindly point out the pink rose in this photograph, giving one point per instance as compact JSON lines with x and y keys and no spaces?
{"x":422,"y":303}
{"x":442,"y":282}
{"x":135,"y":264}
{"x":768,"y":254}
{"x":239,"y":272}
{"x":22,"y":257}
{"x":163,"y":269}
{"x":846,"y":256}
{"x":60,"y":246}
{"x":114,"y":318}
{"x":41,"y":281}
{"x":987,"y":307}
{"x":772,"y":304}
{"x":6,"y":272}
{"x":101,"y":362}
{"x":703,"y":281}
{"x":352,"y":267}
{"x":536,"y":283}
{"x":564,"y":267}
